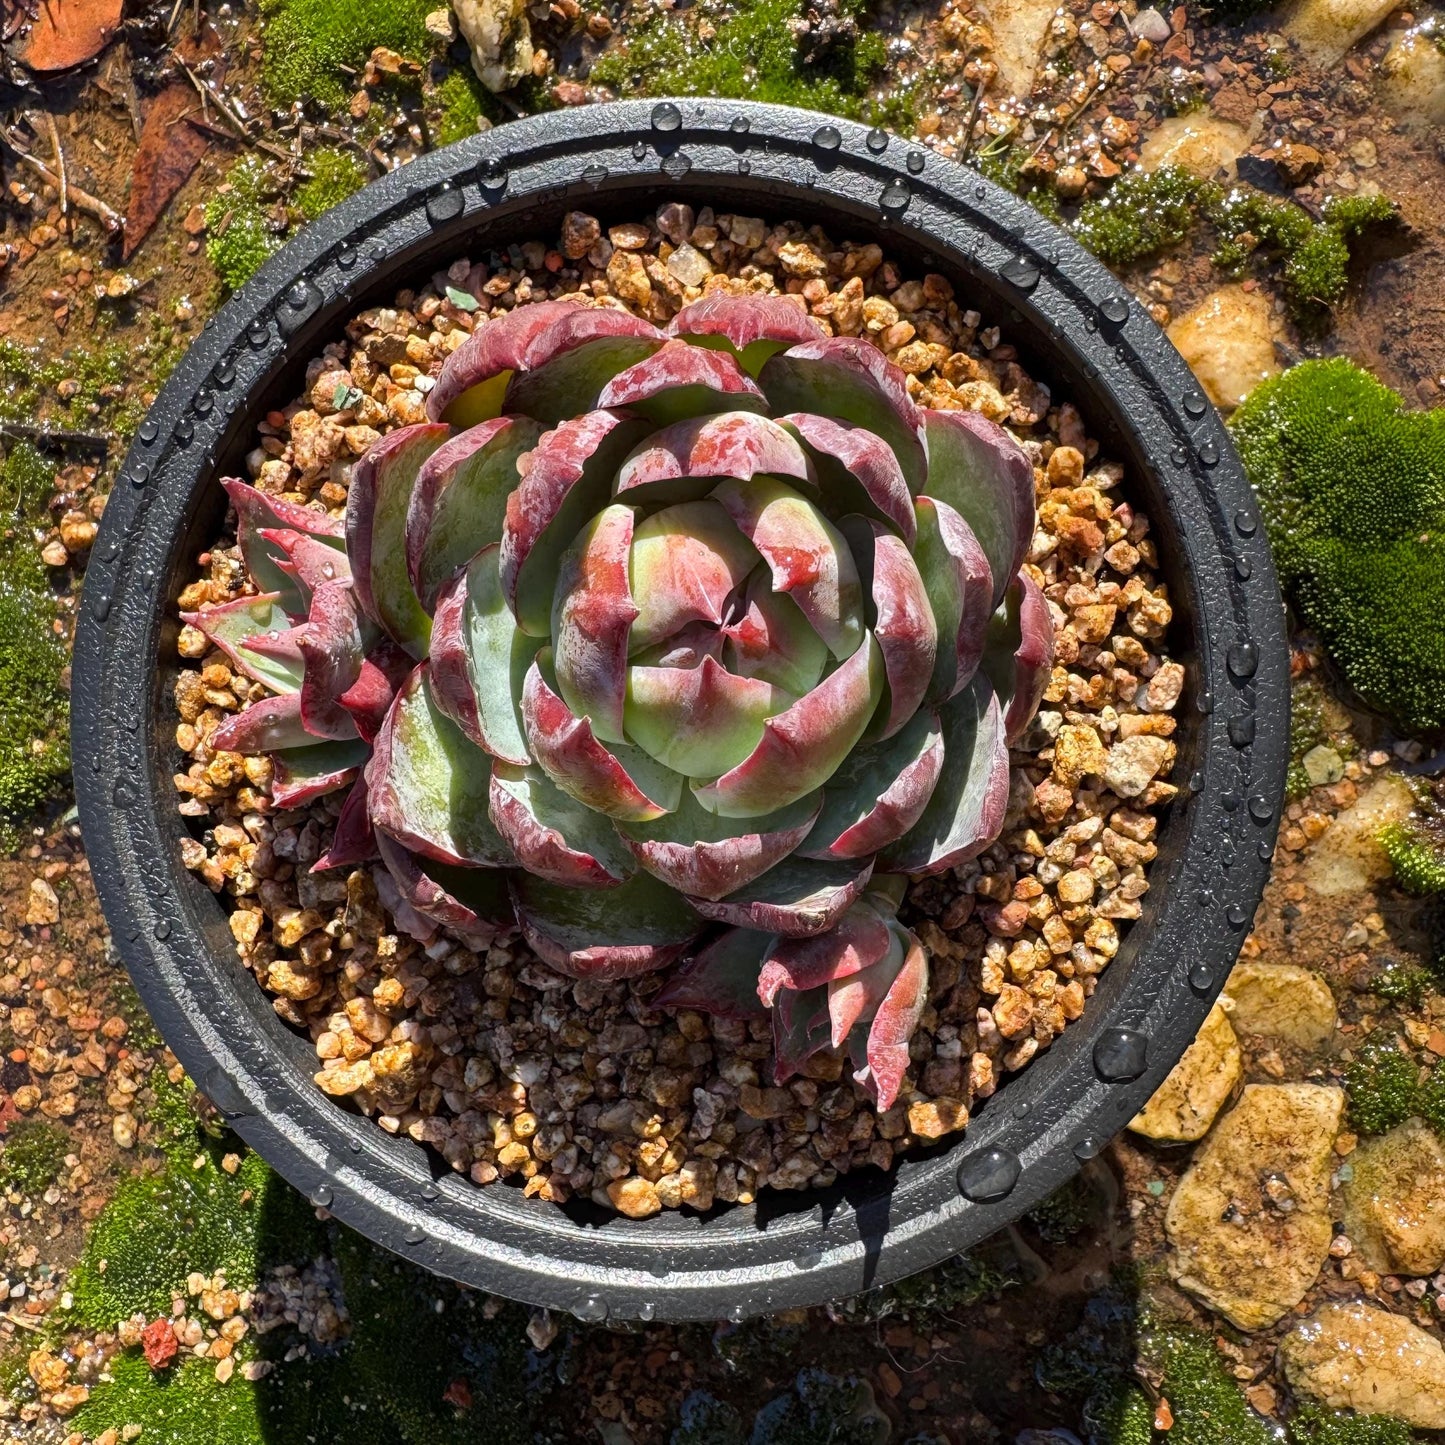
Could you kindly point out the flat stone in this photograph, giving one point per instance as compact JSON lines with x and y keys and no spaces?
{"x":1281,"y":1002}
{"x":1412,"y":80}
{"x":1133,"y":763}
{"x":1325,"y":30}
{"x":1018,"y":28}
{"x":1250,"y":1222}
{"x":1348,"y":858}
{"x":1205,"y":144}
{"x":1323,"y":765}
{"x":1394,"y":1200}
{"x":1198,"y":1086}
{"x":1228,"y":341}
{"x":1359,"y":1357}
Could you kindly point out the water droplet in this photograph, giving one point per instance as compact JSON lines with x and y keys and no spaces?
{"x":1121,"y":1054}
{"x":745,"y":167}
{"x":162,"y":930}
{"x":737,"y":1314}
{"x":140,"y":474}
{"x":895,"y":197}
{"x":224,"y":374}
{"x":1229,"y":800}
{"x":259,"y":335}
{"x":1022,"y":1111}
{"x":493,"y":175}
{"x":914,"y":162}
{"x":1260,"y":808}
{"x":827,"y":137}
{"x":741,"y":125}
{"x":676,"y":165}
{"x":877,"y":141}
{"x":356,"y":1146}
{"x":1243,"y":568}
{"x":100,"y":606}
{"x":595,"y":175}
{"x":1194,"y":403}
{"x":109,"y":552}
{"x":221,"y":1089}
{"x":1265,"y":850}
{"x":430,"y":1192}
{"x":658,"y":1266}
{"x":1205,"y":898}
{"x":202,"y":403}
{"x":1241,"y":730}
{"x":1237,"y":914}
{"x":809,"y":1259}
{"x":148,"y":431}
{"x":302,"y":302}
{"x":666,"y":116}
{"x":1021,"y":272}
{"x":639,"y":149}
{"x":1179,"y":457}
{"x":321,"y":1197}
{"x":1114,"y":310}
{"x":646,"y":1311}
{"x":346,"y":258}
{"x":1245,"y":524}
{"x":123,"y":795}
{"x":184,"y":430}
{"x":1087,"y":1148}
{"x":988,"y":1174}
{"x":1209,"y":454}
{"x":1201,"y":978}
{"x":415,"y":1234}
{"x":1242,"y":659}
{"x":1205,"y":702}
{"x":445,"y":203}
{"x":591,"y":1308}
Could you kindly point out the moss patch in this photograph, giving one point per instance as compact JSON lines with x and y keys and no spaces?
{"x":34,"y":703}
{"x":1382,"y":1084}
{"x":752,"y":56}
{"x":180,"y":1406}
{"x":307,"y":42}
{"x":1306,"y":731}
{"x":31,"y":1154}
{"x":239,"y":234}
{"x":335,"y":175}
{"x":462,"y":102}
{"x":1313,"y":1426}
{"x":1352,"y":487}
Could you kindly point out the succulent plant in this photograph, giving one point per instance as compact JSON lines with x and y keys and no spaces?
{"x":657,"y":644}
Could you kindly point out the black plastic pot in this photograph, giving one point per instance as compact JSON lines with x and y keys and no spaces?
{"x":1075,"y":326}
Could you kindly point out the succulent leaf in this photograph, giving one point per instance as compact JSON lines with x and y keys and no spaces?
{"x":959,"y":585}
{"x":309,"y":560}
{"x":722,"y":979}
{"x":893,"y":1025}
{"x":265,"y":726}
{"x":800,"y":1030}
{"x":753,"y":328}
{"x":1019,"y":655}
{"x":769,"y":637}
{"x":966,"y":809}
{"x":681,"y":381}
{"x":645,"y":925}
{"x":851,"y":381}
{"x":459,"y":501}
{"x":237,"y":627}
{"x":858,"y":471}
{"x":976,"y":467}
{"x":796,"y":898}
{"x":354,"y":839}
{"x":472,"y":902}
{"x":552,"y":834}
{"x":430,"y":785}
{"x":621,"y":781}
{"x":376,"y":510}
{"x":700,"y":855}
{"x":858,"y":941}
{"x":801,"y":747}
{"x":333,"y":648}
{"x":302,"y":774}
{"x":257,"y":512}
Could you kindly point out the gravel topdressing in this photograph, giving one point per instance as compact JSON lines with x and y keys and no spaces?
{"x":571,"y":1088}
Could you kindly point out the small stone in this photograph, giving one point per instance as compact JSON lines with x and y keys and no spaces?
{"x":1071,"y":182}
{"x":53,"y":553}
{"x":293,"y":924}
{"x":1133,"y":763}
{"x":627,"y":276}
{"x":1349,"y":857}
{"x":48,"y":1370}
{"x":580,"y":232}
{"x":122,"y":1129}
{"x":225,"y":1370}
{"x":1078,"y":753}
{"x":42,"y":906}
{"x":1296,"y":163}
{"x":441,"y":23}
{"x":1198,"y":1086}
{"x":1359,"y":1357}
{"x":1150,"y":25}
{"x":933,"y":1118}
{"x":77,"y":532}
{"x":676,"y":221}
{"x":1233,"y":1247}
{"x":1228,"y":341}
{"x":1395,"y":1201}
{"x":1282,"y":1003}
{"x":1323,"y":765}
{"x":689,"y":265}
{"x":634,"y":1196}
{"x":70,"y":1399}
{"x":629,"y":236}
{"x":500,"y":39}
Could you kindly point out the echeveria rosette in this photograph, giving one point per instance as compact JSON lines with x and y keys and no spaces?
{"x":661,"y":645}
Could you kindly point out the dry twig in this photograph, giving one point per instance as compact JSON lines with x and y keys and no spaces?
{"x":83,"y":200}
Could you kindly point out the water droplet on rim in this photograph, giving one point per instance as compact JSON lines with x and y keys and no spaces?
{"x":1196,"y":782}
{"x":877,"y":141}
{"x":1087,"y":1148}
{"x":415,"y":1234}
{"x":914,"y":162}
{"x":1209,"y":454}
{"x":1260,"y":808}
{"x":321,"y":1197}
{"x":895,"y":196}
{"x":646,"y":1311}
{"x":595,"y":175}
{"x":639,"y":149}
{"x":809,"y":1259}
{"x":148,"y":431}
{"x":1121,"y":1054}
{"x":1241,"y":730}
{"x":184,"y":430}
{"x":828,"y":137}
{"x":988,"y":1175}
{"x":1244,"y":524}
{"x":1179,"y":457}
{"x":1114,"y":310}
{"x":445,"y":204}
{"x":666,"y":116}
{"x":259,"y":335}
{"x":1195,"y":404}
{"x":1020,"y":272}
{"x":590,"y":1309}
{"x":1243,"y":568}
{"x":1201,"y":978}
{"x":1229,"y":800}
{"x":745,"y":166}
{"x":1242,"y":659}
{"x":741,"y":124}
{"x":140,"y":474}
{"x":658,"y":1266}
{"x":1237,"y":914}
{"x":676,"y":165}
{"x":346,"y":258}
{"x":162,"y":930}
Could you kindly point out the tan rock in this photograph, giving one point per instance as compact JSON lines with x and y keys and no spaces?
{"x":1412,"y":81}
{"x":1234,"y":1246}
{"x":1198,"y":1086}
{"x":1017,"y":29}
{"x":1348,"y":858}
{"x":1228,"y":341}
{"x":1394,"y":1201}
{"x":1359,"y":1357}
{"x":634,"y":1196}
{"x":43,"y":905}
{"x":1077,"y":753}
{"x":1281,"y":1002}
{"x":1203,"y":143}
{"x":1326,"y":29}
{"x":500,"y":39}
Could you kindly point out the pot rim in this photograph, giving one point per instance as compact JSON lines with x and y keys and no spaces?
{"x":870,"y":1228}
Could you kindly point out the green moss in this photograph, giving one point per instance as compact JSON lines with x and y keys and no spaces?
{"x":141,"y":1031}
{"x":1141,"y":215}
{"x":1314,"y":1426}
{"x":1119,"y":1413}
{"x":1382,"y":1085}
{"x":172,"y":1116}
{"x":305,"y":44}
{"x":1203,"y":1396}
{"x":161,"y":1227}
{"x":1065,"y":1212}
{"x":959,"y":1283}
{"x":1306,"y":731}
{"x":34,"y":703}
{"x":462,"y":102}
{"x":1353,"y":491}
{"x":1401,"y":983}
{"x":31,"y":1155}
{"x":180,"y":1406}
{"x":751,"y":56}
{"x":1416,"y":858}
{"x":239,"y":235}
{"x":335,"y":174}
